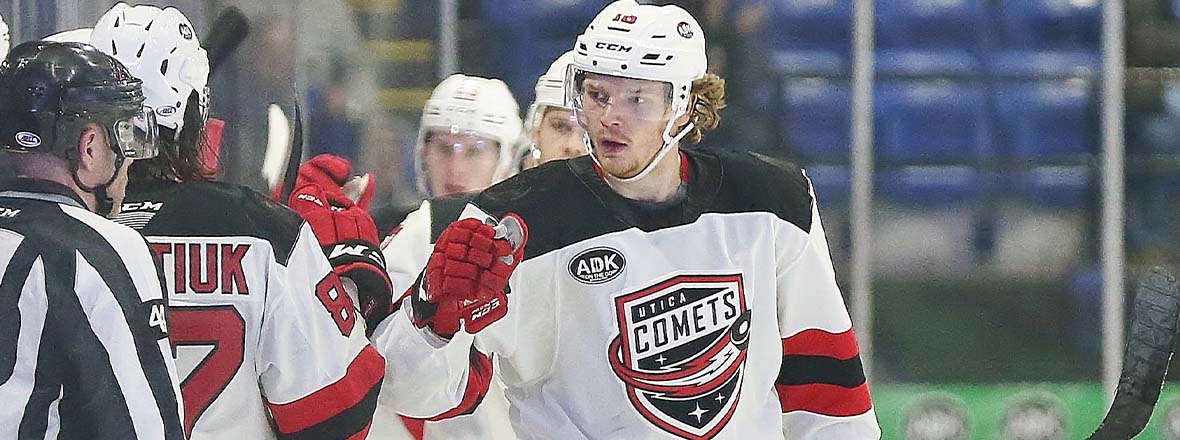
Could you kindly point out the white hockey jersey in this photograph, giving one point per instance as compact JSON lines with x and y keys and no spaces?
{"x":268,"y":343}
{"x":717,"y":316}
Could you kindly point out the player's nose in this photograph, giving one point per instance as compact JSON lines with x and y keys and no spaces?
{"x":610,"y":117}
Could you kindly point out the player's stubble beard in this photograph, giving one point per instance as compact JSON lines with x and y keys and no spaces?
{"x":640,"y":150}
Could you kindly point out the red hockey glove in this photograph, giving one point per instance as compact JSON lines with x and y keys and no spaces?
{"x":333,"y":174}
{"x":466,"y":278}
{"x":349,"y":238}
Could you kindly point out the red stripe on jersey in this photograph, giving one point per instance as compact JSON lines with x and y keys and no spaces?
{"x":364,"y":373}
{"x":479,"y":377}
{"x":815,"y":342}
{"x":683,"y":167}
{"x":397,"y":304}
{"x":414,"y":426}
{"x":822,"y":398}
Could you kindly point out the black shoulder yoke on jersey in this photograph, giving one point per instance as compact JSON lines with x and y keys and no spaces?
{"x":389,"y":217}
{"x":564,"y":202}
{"x":214,"y":209}
{"x":445,"y":210}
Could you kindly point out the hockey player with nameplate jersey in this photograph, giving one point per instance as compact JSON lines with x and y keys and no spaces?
{"x":645,"y":291}
{"x":268,"y":343}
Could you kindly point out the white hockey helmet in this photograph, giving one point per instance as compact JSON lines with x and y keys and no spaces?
{"x":160,"y":47}
{"x":74,"y":36}
{"x":648,"y":42}
{"x":4,"y":40}
{"x":550,"y":92}
{"x":471,"y":104}
{"x":551,"y":86}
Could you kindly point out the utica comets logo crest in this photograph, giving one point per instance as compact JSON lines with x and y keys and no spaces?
{"x":681,"y":351}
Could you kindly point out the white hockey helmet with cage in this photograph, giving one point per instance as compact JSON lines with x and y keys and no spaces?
{"x":161,"y":48}
{"x":4,"y":40}
{"x":464,"y":104}
{"x":647,"y":42}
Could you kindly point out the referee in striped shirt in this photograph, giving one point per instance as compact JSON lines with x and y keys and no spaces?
{"x":84,"y":350}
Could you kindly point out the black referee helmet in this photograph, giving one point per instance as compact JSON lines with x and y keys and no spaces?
{"x":50,"y":91}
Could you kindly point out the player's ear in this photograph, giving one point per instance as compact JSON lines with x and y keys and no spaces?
{"x":91,"y":148}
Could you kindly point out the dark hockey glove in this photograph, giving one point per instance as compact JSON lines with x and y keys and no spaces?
{"x":465,"y":284}
{"x":349,"y":239}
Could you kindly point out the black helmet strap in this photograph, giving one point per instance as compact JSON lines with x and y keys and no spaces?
{"x":103,"y":203}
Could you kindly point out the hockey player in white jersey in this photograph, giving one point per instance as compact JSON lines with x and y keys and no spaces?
{"x":268,"y":343}
{"x":410,"y":245}
{"x":553,"y":131}
{"x":469,"y":127}
{"x":649,"y":291}
{"x":550,"y":131}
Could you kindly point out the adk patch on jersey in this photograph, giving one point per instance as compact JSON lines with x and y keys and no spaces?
{"x":681,"y":351}
{"x":597,"y":265}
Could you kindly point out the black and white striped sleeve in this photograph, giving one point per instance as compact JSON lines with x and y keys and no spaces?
{"x":87,"y":355}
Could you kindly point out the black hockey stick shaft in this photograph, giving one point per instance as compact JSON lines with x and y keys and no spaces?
{"x":226,"y":33}
{"x":295,"y":154}
{"x":1151,"y":340}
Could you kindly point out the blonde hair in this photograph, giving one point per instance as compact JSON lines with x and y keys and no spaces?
{"x":709,"y":94}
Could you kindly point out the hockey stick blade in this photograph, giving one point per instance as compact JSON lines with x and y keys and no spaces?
{"x":225,"y":35}
{"x":1151,"y":340}
{"x":295,"y":154}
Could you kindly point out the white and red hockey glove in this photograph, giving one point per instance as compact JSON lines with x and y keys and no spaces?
{"x":345,"y":230}
{"x":465,"y":284}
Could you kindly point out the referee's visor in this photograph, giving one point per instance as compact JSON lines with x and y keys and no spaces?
{"x":137,"y":136}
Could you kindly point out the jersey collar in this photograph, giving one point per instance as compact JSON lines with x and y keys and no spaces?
{"x":40,"y":189}
{"x":701,"y":170}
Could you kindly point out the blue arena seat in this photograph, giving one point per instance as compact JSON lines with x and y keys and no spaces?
{"x":933,"y":185}
{"x":832,"y":184}
{"x":921,"y":37}
{"x":941,"y":122}
{"x":810,"y":37}
{"x":818,"y":120}
{"x":525,"y":40}
{"x":522,"y":64}
{"x":1045,"y":63}
{"x":547,"y":16}
{"x":1055,"y":186}
{"x":1045,"y":120}
{"x":1048,"y":37}
{"x":1050,"y":24}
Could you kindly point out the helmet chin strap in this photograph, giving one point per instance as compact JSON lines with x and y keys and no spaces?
{"x":103,"y":203}
{"x":651,"y":164}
